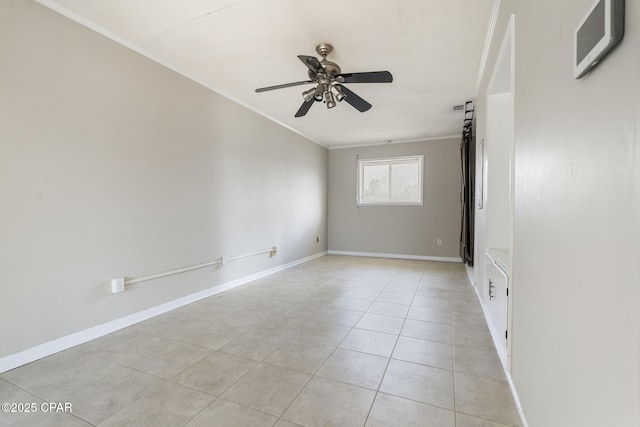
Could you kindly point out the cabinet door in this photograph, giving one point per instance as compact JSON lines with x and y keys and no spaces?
{"x":496,"y":300}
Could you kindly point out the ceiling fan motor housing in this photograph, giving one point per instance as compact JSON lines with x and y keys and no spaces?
{"x":330,"y":69}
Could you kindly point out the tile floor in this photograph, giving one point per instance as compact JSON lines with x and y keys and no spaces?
{"x":337,"y":341}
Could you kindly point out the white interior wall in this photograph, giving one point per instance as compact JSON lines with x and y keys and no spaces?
{"x":498,"y":147}
{"x":575,"y":275}
{"x":111,"y":165}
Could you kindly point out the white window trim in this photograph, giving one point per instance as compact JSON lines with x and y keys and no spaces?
{"x":360,"y":190}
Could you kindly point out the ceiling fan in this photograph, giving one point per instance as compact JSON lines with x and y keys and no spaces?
{"x":328,"y":78}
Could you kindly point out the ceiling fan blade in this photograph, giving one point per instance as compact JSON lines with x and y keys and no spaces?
{"x":355,"y":101}
{"x":304,"y":108}
{"x":312,"y":63}
{"x":264,"y":89}
{"x":370,"y":77}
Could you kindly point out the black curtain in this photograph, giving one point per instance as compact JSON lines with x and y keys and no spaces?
{"x":468,"y":158}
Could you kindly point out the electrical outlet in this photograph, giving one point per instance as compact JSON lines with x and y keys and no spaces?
{"x":117,"y":285}
{"x":225,"y":260}
{"x":439,"y":242}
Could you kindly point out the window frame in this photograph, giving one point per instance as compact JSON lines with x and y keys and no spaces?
{"x":361,"y":163}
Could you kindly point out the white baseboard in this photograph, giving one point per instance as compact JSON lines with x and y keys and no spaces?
{"x":516,"y":399}
{"x":514,"y":392}
{"x":51,"y":347}
{"x":398,"y":256}
{"x":471,"y":274}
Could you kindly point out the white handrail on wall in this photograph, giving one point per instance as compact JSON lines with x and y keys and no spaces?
{"x":117,"y":285}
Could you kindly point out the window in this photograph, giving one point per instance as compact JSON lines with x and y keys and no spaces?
{"x":390,"y":181}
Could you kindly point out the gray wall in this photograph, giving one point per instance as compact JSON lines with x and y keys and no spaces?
{"x":111,"y":165}
{"x":404,"y":230}
{"x":576,"y":286}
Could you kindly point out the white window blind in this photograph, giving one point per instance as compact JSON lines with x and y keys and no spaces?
{"x":390,"y":181}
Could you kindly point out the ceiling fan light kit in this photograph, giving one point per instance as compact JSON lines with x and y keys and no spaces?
{"x":328,"y":78}
{"x":308,"y":95}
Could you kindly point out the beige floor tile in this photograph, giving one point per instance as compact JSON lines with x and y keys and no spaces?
{"x":428,"y":331}
{"x":215,"y":373}
{"x":281,"y":325}
{"x":322,"y":297}
{"x":352,"y":303}
{"x":262,"y":291}
{"x":231,"y":299}
{"x":438,"y":302}
{"x":380,"y":323}
{"x":360,"y":282}
{"x":35,"y":416}
{"x":469,"y":320}
{"x":97,"y":399}
{"x":305,"y":310}
{"x":422,"y":383}
{"x":350,"y":292}
{"x":354,"y":367}
{"x":215,"y":336}
{"x":207,"y":310}
{"x":288,"y":294}
{"x":425,"y":352}
{"x":399,"y":287}
{"x":322,"y":333}
{"x":268,"y":388}
{"x":467,"y":306}
{"x":248,"y":319}
{"x":167,"y":405}
{"x":96,"y":388}
{"x":467,"y":293}
{"x":433,"y":283}
{"x":460,"y":281}
{"x":170,"y":360}
{"x":479,"y":338}
{"x":429,"y":315}
{"x":256,"y":345}
{"x":464,"y":420}
{"x":433,"y":292}
{"x":407,"y":274}
{"x":269,"y":305}
{"x":485,"y":398}
{"x":441,"y":287}
{"x":284,"y":423}
{"x":355,"y":291}
{"x":396,"y":298}
{"x":325,"y":402}
{"x":478,"y":362}
{"x":172,"y":325}
{"x":300,"y":355}
{"x":124,"y":346}
{"x":389,"y":309}
{"x":229,"y":414}
{"x":390,"y":410}
{"x":339,"y":316}
{"x":372,"y":342}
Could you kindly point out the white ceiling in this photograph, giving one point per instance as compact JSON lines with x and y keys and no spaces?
{"x":433,"y":48}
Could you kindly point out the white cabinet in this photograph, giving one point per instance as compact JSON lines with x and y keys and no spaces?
{"x":496,"y":302}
